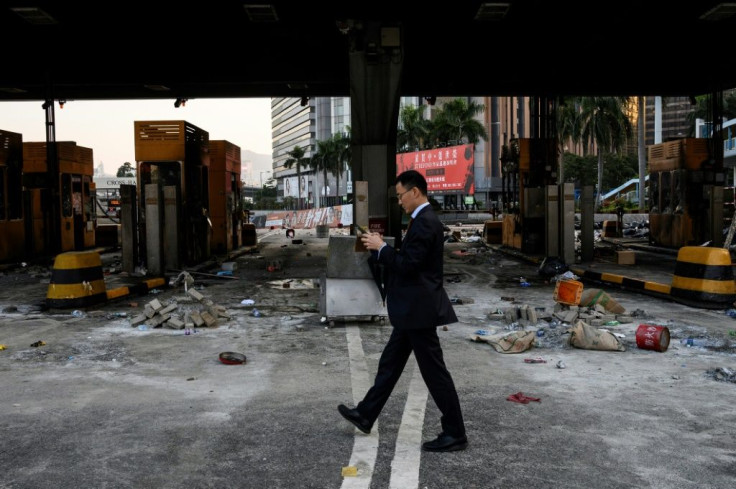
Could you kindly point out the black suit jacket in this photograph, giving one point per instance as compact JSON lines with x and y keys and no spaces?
{"x":415,"y":294}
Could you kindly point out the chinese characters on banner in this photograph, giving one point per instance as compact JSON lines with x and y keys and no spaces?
{"x":447,"y":170}
{"x":337,"y":216}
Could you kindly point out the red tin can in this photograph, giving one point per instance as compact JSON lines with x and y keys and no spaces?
{"x":653,"y":337}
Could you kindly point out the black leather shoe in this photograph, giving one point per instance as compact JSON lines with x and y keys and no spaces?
{"x":446,"y":443}
{"x":356,"y":418}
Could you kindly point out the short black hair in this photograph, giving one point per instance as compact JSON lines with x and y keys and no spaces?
{"x":412,"y":178}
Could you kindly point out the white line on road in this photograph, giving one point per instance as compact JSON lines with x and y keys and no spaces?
{"x":405,"y":466}
{"x":365,"y":447}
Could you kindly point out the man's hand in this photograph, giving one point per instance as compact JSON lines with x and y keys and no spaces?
{"x":372,"y":241}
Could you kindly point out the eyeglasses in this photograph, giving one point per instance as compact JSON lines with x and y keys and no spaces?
{"x":399,"y":196}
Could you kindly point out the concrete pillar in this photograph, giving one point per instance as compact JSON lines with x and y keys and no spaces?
{"x":154,"y":228}
{"x":587,"y":219}
{"x":376,"y":62}
{"x":552,"y":221}
{"x":128,"y":227}
{"x":361,"y":204}
{"x":567,"y":223}
{"x":171,"y":248}
{"x":715,"y":215}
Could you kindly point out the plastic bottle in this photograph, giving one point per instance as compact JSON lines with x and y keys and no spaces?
{"x":696,"y":342}
{"x":256,"y":313}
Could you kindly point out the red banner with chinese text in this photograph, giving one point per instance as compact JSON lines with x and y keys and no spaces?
{"x":447,"y":170}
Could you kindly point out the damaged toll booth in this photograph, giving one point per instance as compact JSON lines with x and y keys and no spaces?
{"x":59,"y":207}
{"x":685,"y":193}
{"x":537,"y":211}
{"x":174,"y":228}
{"x":225,"y":210}
{"x":12,"y":225}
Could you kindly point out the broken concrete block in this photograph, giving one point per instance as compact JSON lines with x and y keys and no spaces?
{"x":148,"y":311}
{"x":596,"y":322}
{"x":195,"y":294}
{"x":197,"y":319}
{"x":219,"y":312}
{"x":495,"y":316}
{"x":209,"y":319}
{"x":510,"y":317}
{"x":168,"y":309}
{"x":156,"y":305}
{"x":139,"y":319}
{"x":158,"y":320}
{"x":624,"y":319}
{"x":570,"y":316}
{"x":531,"y":315}
{"x":175,"y":323}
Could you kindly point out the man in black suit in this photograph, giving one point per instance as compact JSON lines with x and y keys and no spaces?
{"x":417,"y":304}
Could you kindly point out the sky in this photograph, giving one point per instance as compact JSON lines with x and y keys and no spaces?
{"x":106,"y":126}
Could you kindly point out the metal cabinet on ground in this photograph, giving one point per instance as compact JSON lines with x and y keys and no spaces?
{"x":348,"y":289}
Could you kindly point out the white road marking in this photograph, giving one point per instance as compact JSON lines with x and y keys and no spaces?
{"x":407,"y":456}
{"x":365,"y":447}
{"x":405,"y":466}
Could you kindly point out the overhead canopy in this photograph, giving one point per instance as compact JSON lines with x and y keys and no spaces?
{"x":165,"y":49}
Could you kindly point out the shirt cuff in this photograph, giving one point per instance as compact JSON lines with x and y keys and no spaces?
{"x":378,"y":253}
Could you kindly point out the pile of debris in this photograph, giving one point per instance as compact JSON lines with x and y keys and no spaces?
{"x":197,"y":312}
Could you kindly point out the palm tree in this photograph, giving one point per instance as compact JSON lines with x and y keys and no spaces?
{"x":603,"y":121}
{"x":324,"y":160}
{"x":413,"y":129}
{"x":567,"y":130}
{"x":342,"y":145}
{"x":297,"y":157}
{"x":642,"y":151}
{"x":455,"y":121}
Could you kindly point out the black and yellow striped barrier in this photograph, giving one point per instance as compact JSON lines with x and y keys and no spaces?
{"x":137,"y":289}
{"x":703,"y":278}
{"x":76,"y":280}
{"x":653,"y":288}
{"x":704,"y":274}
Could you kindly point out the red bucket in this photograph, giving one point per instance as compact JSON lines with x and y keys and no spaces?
{"x":652,"y":337}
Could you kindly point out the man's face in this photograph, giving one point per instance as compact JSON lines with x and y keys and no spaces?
{"x":407,"y":197}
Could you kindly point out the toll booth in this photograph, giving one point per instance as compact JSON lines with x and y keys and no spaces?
{"x":528,"y":173}
{"x":12,"y":225}
{"x":173,"y":194}
{"x":60,"y":202}
{"x":685,"y":194}
{"x":225,"y":209}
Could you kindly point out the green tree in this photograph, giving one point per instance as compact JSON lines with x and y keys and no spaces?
{"x":126,"y":170}
{"x":603,"y":122}
{"x":455,"y":121}
{"x":414,"y":129}
{"x":343,"y":148}
{"x":298,"y":158}
{"x":325,"y":159}
{"x":703,"y":109}
{"x":641,"y":152}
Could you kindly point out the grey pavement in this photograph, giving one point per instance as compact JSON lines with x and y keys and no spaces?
{"x":106,"y":405}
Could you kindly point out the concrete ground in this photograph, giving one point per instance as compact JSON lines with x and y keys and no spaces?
{"x":103,"y":404}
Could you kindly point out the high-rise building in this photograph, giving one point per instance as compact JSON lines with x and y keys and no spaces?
{"x":303,"y":122}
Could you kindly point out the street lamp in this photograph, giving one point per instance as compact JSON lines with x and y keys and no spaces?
{"x":267,"y":171}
